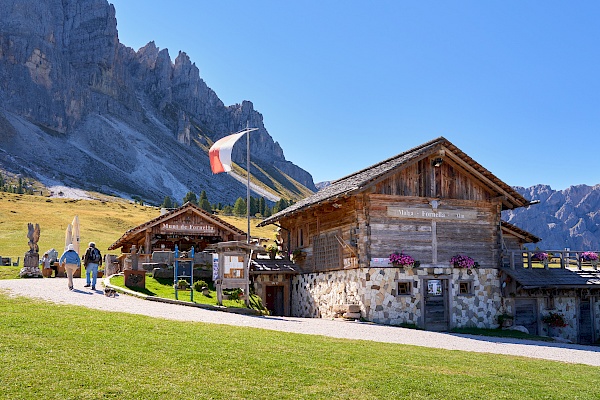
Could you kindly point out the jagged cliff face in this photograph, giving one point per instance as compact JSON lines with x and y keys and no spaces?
{"x":77,"y":107}
{"x":563,"y":218}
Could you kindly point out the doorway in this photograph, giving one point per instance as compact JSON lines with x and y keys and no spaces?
{"x":526,"y":314}
{"x":586,"y":331}
{"x":275,"y":300}
{"x":436,"y":304}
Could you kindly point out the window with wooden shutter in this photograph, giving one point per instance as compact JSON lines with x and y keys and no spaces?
{"x":327,"y":251}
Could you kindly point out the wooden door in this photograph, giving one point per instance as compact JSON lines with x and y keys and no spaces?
{"x":586,"y":333}
{"x":275,"y":301}
{"x":436,"y":304}
{"x":526,"y":314}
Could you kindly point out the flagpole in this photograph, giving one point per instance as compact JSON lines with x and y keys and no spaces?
{"x":248,"y":186}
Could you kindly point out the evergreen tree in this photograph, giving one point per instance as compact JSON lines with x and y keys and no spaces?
{"x":227,"y":210}
{"x":254,"y":206}
{"x":20,"y":186}
{"x":203,"y":196}
{"x":261,"y":206}
{"x":267,"y":211}
{"x":167,"y":202}
{"x":191,"y":197}
{"x":239,"y":208}
{"x":205,"y":205}
{"x":280,"y":205}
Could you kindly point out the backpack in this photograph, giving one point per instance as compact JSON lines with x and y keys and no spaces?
{"x":94,"y":256}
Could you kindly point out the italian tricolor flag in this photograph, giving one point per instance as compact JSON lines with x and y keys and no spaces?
{"x":220,"y":153}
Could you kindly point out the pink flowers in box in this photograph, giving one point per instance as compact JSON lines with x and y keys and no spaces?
{"x":589,"y":256}
{"x":461,"y":261}
{"x":402,"y":260}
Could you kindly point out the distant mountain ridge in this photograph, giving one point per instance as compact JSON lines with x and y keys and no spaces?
{"x":79,"y":108}
{"x":567,"y":218}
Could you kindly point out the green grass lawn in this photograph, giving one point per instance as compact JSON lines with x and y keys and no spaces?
{"x":164,"y":288}
{"x":9,"y":272}
{"x":102,"y":222}
{"x":64,"y":352}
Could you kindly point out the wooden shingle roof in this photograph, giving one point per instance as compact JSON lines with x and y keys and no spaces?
{"x":534,"y":278}
{"x":526,"y":236}
{"x":173,"y":213}
{"x":359,"y":180}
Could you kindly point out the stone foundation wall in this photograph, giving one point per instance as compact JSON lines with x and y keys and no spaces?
{"x":567,"y":306}
{"x":375,"y":291}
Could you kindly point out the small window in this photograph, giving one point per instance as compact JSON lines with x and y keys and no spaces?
{"x":404,"y":288}
{"x":465,"y":287}
{"x":550,"y":303}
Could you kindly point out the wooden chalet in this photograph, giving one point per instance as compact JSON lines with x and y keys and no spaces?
{"x":431,"y":202}
{"x":186,"y":226}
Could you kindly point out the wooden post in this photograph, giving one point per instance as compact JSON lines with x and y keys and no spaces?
{"x":512,"y":260}
{"x":434,"y":258}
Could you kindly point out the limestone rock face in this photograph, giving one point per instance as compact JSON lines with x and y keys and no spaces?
{"x":77,"y":107}
{"x":563,"y":218}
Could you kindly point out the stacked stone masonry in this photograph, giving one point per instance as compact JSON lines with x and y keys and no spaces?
{"x":375,"y":291}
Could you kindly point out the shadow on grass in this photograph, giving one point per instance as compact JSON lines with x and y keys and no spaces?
{"x":142,"y":290}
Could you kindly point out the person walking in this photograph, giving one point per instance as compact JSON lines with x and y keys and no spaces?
{"x":70,"y":261}
{"x":92,"y":259}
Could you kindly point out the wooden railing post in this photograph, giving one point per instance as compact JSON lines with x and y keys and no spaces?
{"x":528,"y":259}
{"x":512,"y":260}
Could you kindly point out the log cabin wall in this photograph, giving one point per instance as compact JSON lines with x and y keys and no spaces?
{"x":476,"y":236}
{"x":422,"y":179}
{"x":327,"y":236}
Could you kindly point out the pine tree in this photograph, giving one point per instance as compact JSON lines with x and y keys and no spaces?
{"x":20,"y":186}
{"x":261,"y":206}
{"x":239,"y":208}
{"x":227,"y":210}
{"x":167,"y":202}
{"x":203,"y":196}
{"x":191,"y":197}
{"x":205,"y":205}
{"x":253,"y":206}
{"x":267,"y":211}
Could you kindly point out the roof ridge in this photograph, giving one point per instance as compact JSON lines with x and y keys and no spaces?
{"x":434,"y":141}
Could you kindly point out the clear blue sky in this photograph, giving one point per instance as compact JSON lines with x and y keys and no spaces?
{"x":344,"y":85}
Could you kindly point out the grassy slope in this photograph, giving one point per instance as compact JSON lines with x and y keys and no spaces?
{"x":101,"y":221}
{"x":79,"y":353}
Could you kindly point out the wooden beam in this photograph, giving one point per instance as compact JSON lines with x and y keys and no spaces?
{"x":482,"y":178}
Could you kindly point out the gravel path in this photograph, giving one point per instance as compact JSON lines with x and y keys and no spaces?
{"x":55,"y":290}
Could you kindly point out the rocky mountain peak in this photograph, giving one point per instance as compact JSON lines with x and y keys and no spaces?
{"x":116,"y":120}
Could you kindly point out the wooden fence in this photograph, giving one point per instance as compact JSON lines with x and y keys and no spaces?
{"x":556,"y":259}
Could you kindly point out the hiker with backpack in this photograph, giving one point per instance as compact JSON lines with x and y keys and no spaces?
{"x":92,"y":259}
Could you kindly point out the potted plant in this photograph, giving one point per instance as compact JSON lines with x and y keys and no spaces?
{"x":403,"y":260}
{"x":590,"y":256}
{"x":462,"y":261}
{"x":202,"y":286}
{"x":182,"y":284}
{"x":298,"y":255}
{"x":541,"y":257}
{"x":554,"y":320}
{"x":273,"y":251}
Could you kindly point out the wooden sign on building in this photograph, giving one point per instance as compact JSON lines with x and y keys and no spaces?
{"x":187,"y":226}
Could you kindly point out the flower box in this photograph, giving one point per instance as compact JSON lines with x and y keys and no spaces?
{"x":401,"y":260}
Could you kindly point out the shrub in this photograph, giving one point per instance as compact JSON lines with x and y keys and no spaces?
{"x":198,"y":285}
{"x":554,"y":319}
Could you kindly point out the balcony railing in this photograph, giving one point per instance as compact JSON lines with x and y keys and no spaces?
{"x":556,"y":259}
